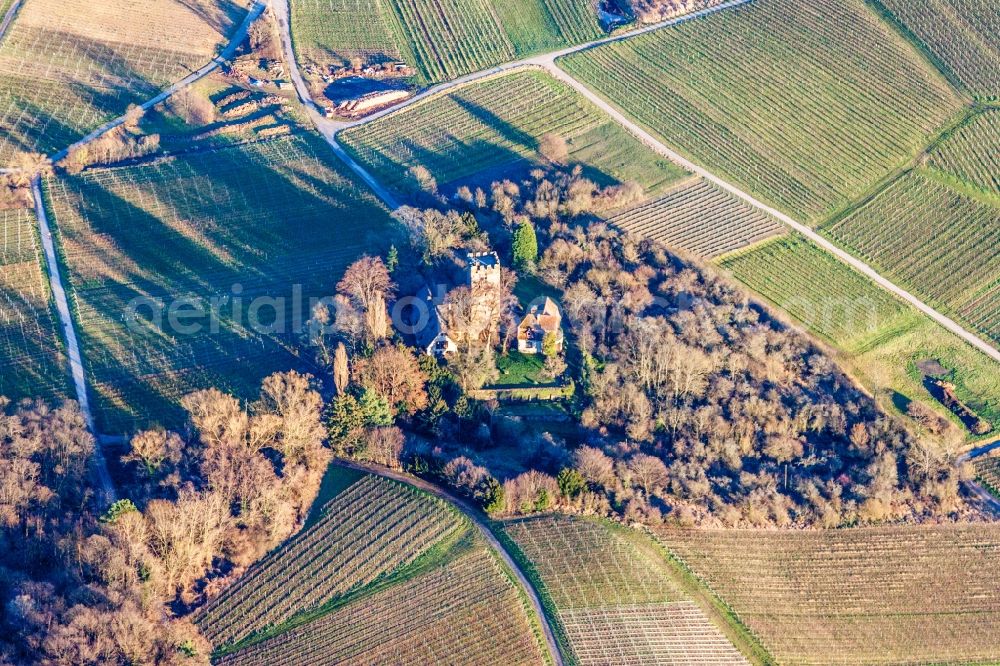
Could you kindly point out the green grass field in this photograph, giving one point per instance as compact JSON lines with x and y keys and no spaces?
{"x":31,"y":351}
{"x":233,"y":225}
{"x":805,"y":104}
{"x":835,"y":303}
{"x":519,"y":370}
{"x":613,"y":595}
{"x":936,"y":241}
{"x":491,"y":129}
{"x":881,"y":338}
{"x":893,"y":595}
{"x":333,"y":32}
{"x":70,"y":66}
{"x":963,"y":36}
{"x":441,"y":39}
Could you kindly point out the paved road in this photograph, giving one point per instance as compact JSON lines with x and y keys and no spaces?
{"x":327,"y":128}
{"x":548,"y":61}
{"x":77,"y":370}
{"x":8,"y":18}
{"x":476,"y":517}
{"x":976,"y":488}
{"x":979,"y":451}
{"x":72,"y":345}
{"x":331,"y":128}
{"x":215,"y":63}
{"x":542,"y":60}
{"x":840,"y":254}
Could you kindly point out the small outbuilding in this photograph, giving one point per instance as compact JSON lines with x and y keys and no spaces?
{"x":542,"y":321}
{"x":433,"y":335}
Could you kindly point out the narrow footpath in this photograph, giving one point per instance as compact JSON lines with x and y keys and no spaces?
{"x":77,"y":370}
{"x":69,"y":335}
{"x":8,"y":17}
{"x":214,"y":64}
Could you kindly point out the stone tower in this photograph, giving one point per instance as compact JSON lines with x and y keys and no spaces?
{"x":483,"y":269}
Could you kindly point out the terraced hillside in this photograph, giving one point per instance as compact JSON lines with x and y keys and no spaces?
{"x":936,"y":241}
{"x":465,"y":612}
{"x":614,"y":597}
{"x":387,"y":574}
{"x":894,"y":595}
{"x":31,"y":353}
{"x":442,"y":39}
{"x":371,"y":529}
{"x":492,"y":129}
{"x":700,"y":219}
{"x":883,"y":339}
{"x":278,"y":219}
{"x":963,"y":36}
{"x":834,"y":101}
{"x":69,"y":66}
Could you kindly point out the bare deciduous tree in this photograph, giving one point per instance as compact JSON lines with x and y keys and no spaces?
{"x":341,"y":369}
{"x":393,"y":373}
{"x":554,"y":148}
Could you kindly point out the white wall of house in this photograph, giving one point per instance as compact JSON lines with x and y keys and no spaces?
{"x":529,"y":346}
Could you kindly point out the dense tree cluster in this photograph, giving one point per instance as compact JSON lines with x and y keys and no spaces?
{"x":694,"y":406}
{"x":56,"y":605}
{"x":710,"y":408}
{"x":84,"y":584}
{"x":698,"y":407}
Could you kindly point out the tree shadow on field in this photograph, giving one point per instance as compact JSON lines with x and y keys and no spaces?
{"x":224,"y":9}
{"x":101,"y":78}
{"x":224,"y":217}
{"x":37,"y":130}
{"x":503,"y":127}
{"x":467,"y":158}
{"x":34,"y":362}
{"x":106,"y":69}
{"x":138,"y":261}
{"x":900,"y":401}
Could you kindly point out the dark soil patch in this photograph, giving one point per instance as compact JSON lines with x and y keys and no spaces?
{"x":931,"y":367}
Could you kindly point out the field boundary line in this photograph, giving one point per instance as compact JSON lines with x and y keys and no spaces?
{"x":889,"y":17}
{"x":255,"y":11}
{"x":69,"y":333}
{"x":473,"y":515}
{"x":844,"y":256}
{"x":960,"y":119}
